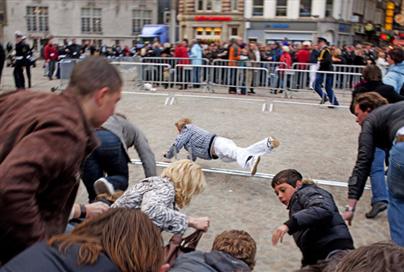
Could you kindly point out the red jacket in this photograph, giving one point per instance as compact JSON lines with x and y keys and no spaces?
{"x":181,"y":52}
{"x":51,"y":53}
{"x":303,"y":56}
{"x":44,"y":139}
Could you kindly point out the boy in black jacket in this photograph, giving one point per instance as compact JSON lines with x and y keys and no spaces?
{"x":314,"y":220}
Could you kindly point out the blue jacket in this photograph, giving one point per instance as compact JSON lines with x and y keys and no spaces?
{"x":195,"y":140}
{"x":196,"y":54}
{"x":41,"y":257}
{"x":395,"y":76}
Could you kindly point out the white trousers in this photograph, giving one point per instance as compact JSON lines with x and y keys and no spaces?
{"x":228,"y":151}
{"x":313,"y":70}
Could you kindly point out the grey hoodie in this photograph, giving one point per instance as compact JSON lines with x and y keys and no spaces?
{"x":214,"y":261}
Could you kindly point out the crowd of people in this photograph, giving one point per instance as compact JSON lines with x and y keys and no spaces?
{"x":45,"y":151}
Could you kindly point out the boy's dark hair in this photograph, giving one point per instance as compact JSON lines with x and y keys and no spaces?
{"x":370,"y":101}
{"x":289,"y":176}
{"x":237,"y":243}
{"x":372,"y":73}
{"x":396,"y":54}
{"x":92,"y":74}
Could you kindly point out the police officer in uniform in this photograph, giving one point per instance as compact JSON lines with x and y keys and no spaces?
{"x":325,"y":64}
{"x":21,"y":54}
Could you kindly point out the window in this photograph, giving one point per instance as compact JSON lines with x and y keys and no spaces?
{"x":37,"y":19}
{"x":199,"y":5}
{"x":233,"y":5}
{"x":208,"y":5}
{"x":91,"y":21}
{"x":208,"y":32}
{"x":258,"y":8}
{"x":234,"y":31}
{"x":281,"y":7}
{"x":305,"y":8}
{"x":328,"y":8}
{"x":140,"y":17}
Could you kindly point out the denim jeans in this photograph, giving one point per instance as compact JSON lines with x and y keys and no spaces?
{"x":109,"y":160}
{"x":328,"y":87}
{"x":196,"y":75}
{"x":377,"y":179}
{"x":395,"y":181}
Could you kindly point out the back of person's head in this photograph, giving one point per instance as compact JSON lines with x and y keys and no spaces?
{"x":237,"y":243}
{"x":93,"y":74}
{"x":396,"y":54}
{"x":127,"y":236}
{"x":377,"y":257}
{"x":180,"y":124}
{"x":188,"y":180}
{"x":372,"y":73}
{"x":290,"y":176}
{"x":370,"y":101}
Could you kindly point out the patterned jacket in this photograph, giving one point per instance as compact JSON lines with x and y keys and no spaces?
{"x":195,"y":140}
{"x":155,"y":196}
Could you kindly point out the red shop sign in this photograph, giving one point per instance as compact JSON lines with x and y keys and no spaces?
{"x":213,"y":18}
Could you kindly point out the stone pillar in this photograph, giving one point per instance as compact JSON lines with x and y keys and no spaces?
{"x":337,"y":9}
{"x":248,"y":9}
{"x":269,"y":8}
{"x":318,"y":8}
{"x":293,"y":9}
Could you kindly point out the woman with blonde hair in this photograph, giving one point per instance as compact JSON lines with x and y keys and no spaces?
{"x":103,"y":243}
{"x":158,"y":197}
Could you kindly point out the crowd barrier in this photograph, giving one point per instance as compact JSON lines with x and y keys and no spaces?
{"x":185,"y":73}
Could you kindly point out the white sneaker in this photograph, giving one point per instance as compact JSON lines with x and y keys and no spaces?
{"x":272,"y":143}
{"x":254,"y":161}
{"x":103,"y":186}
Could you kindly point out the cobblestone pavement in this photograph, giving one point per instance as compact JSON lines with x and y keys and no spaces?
{"x":319,"y":142}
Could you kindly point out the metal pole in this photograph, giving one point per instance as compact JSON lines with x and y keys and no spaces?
{"x":173,"y":15}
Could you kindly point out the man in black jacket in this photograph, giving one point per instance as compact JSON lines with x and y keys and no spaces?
{"x":21,"y":54}
{"x":382,"y":128}
{"x":325,"y":65}
{"x":314,"y":220}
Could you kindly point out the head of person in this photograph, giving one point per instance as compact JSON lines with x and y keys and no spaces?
{"x":395,"y":55}
{"x":237,"y":243}
{"x":365,"y":103}
{"x":380,"y":256}
{"x":188,"y":180}
{"x":97,"y":84}
{"x":306,"y":45}
{"x":285,"y":49}
{"x":19,"y":36}
{"x":322,"y":42}
{"x":285,"y":184}
{"x":135,"y":248}
{"x":180,"y":124}
{"x":372,"y":73}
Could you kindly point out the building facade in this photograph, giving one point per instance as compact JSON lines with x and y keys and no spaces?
{"x":211,"y":19}
{"x":101,"y":21}
{"x":3,"y":19}
{"x":299,"y":20}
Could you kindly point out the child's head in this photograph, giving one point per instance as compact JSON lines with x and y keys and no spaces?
{"x":285,"y":184}
{"x":188,"y":180}
{"x":182,"y":123}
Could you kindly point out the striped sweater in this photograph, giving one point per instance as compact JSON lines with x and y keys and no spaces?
{"x":155,"y":196}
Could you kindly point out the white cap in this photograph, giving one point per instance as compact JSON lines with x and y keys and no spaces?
{"x":285,"y":48}
{"x":306,"y":43}
{"x":19,"y":34}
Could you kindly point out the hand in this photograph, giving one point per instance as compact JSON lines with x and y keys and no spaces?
{"x":278,"y":234}
{"x":348,"y":217}
{"x":199,"y":223}
{"x":96,"y":208}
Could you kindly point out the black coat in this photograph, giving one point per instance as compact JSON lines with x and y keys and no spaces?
{"x":378,"y":130}
{"x":325,"y":60}
{"x":316,"y":224}
{"x":379,"y":87}
{"x":41,"y":257}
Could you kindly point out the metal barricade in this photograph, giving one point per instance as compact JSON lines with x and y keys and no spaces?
{"x":142,"y":73}
{"x":343,"y":78}
{"x":269,"y":78}
{"x":228,"y":76}
{"x":64,"y":69}
{"x":287,"y":87}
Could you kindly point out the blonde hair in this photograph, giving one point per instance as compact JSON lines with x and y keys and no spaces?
{"x":182,"y":122}
{"x":188,"y":180}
